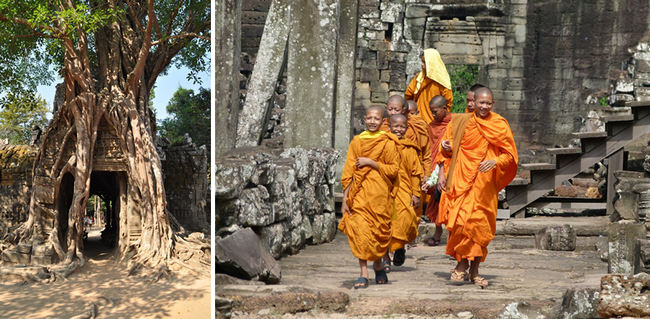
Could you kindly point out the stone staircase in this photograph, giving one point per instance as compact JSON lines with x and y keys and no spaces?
{"x":622,"y":126}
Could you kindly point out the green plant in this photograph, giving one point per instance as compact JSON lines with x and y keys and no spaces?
{"x":604,"y":101}
{"x":462,"y":78}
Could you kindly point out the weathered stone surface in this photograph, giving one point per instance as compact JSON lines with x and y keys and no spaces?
{"x":223,"y":307}
{"x":41,"y":260}
{"x":324,"y":228}
{"x":520,"y":310}
{"x":243,"y":255}
{"x":622,"y":295}
{"x":271,"y":237}
{"x":253,"y":207}
{"x":231,"y":176}
{"x":626,"y":206}
{"x":289,"y":300}
{"x":562,"y":238}
{"x":623,"y":246}
{"x":643,"y":264}
{"x":577,"y":303}
{"x":15,"y":257}
{"x":43,"y":250}
{"x":265,"y":73}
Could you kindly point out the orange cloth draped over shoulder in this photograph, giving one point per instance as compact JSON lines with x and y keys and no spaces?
{"x":436,"y":132}
{"x":405,"y":220}
{"x":428,"y":90}
{"x":468,"y":207}
{"x":371,"y":194}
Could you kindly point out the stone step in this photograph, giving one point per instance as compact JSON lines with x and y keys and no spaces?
{"x":637,"y":103}
{"x":584,"y":226}
{"x":517,"y":181}
{"x":538,"y":166}
{"x":618,"y":118}
{"x":585,"y":135}
{"x":564,"y":150}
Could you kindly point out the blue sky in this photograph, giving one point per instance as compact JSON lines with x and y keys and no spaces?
{"x":165,"y":87}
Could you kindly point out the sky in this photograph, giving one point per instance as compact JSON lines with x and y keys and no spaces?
{"x":166,"y":85}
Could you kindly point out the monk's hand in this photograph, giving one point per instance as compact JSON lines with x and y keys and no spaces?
{"x":442,"y":183}
{"x":486,"y":166}
{"x":424,"y":187}
{"x":446,"y":145}
{"x":415,"y":202}
{"x":363,"y":161}
{"x":345,"y":209}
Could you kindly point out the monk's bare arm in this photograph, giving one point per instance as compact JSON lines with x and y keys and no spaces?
{"x":442,"y":181}
{"x":344,"y":205}
{"x":364,"y":161}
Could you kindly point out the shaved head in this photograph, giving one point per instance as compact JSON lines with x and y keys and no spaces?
{"x":377,"y":109}
{"x":476,"y":87}
{"x":397,"y":117}
{"x":438,"y":101}
{"x":397,"y":99}
{"x":411,"y":104}
{"x":483,"y":91}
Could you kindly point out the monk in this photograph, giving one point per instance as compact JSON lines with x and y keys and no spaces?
{"x":441,"y":118}
{"x":413,"y":108}
{"x":405,"y":220}
{"x":480,"y":151}
{"x":369,"y":180}
{"x":431,"y":81}
{"x":470,"y":98}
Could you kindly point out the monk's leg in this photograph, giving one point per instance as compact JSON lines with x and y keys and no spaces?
{"x":380,"y":274}
{"x":473,"y":273}
{"x":458,"y":274}
{"x":385,"y":262}
{"x":363,"y":264}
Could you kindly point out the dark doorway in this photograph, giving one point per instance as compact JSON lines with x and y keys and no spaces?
{"x":102,"y":234}
{"x":66,"y":193}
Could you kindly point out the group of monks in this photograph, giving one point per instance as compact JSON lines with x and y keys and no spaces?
{"x":387,"y":173}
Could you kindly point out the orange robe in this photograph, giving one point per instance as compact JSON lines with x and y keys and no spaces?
{"x":436,"y":132}
{"x":428,"y":90}
{"x":371,"y":194}
{"x":405,"y":220}
{"x":469,"y":206}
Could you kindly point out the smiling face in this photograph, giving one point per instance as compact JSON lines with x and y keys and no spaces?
{"x":471,"y":106}
{"x":484,"y":103}
{"x":374,"y":117}
{"x":398,"y":126}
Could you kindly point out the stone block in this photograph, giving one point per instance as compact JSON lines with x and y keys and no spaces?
{"x":271,"y":238}
{"x":397,"y":57}
{"x":378,"y":45}
{"x":223,"y":307}
{"x":378,"y":87}
{"x":417,"y":10}
{"x":398,"y":82}
{"x":242,"y":255}
{"x":368,"y":12}
{"x":559,"y":238}
{"x":385,"y":76}
{"x":397,"y":68}
{"x":253,"y":208}
{"x":577,"y":303}
{"x":643,"y":264}
{"x":369,"y":64}
{"x":520,"y":309}
{"x":625,"y":86}
{"x":42,"y":260}
{"x":369,"y":75}
{"x":232,"y":175}
{"x":643,"y":66}
{"x":379,"y":97}
{"x":624,"y":296}
{"x":391,"y":12}
{"x":382,"y":60}
{"x":623,"y":252}
{"x":43,"y":250}
{"x":626,"y":206}
{"x":24,"y":248}
{"x":15,"y":257}
{"x":621,"y":99}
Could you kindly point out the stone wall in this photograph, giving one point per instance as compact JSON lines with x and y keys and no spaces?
{"x":16,"y":164}
{"x":185,"y":171}
{"x":285,"y":195}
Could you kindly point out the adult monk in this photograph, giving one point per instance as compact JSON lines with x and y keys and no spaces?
{"x":441,"y":118}
{"x":470,"y":98}
{"x":431,"y":81}
{"x":369,"y":179}
{"x":405,"y":220}
{"x":480,"y":150}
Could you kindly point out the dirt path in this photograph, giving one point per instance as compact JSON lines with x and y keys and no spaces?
{"x":104,"y":283}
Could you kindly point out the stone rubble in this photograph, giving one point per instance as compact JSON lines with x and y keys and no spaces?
{"x":622,"y":295}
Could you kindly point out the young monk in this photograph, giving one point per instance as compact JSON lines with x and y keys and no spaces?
{"x":470,"y":98}
{"x":431,"y":81}
{"x":413,"y":108}
{"x":405,"y":220}
{"x":441,"y":118}
{"x":418,"y":132}
{"x":482,"y":157}
{"x":369,"y":181}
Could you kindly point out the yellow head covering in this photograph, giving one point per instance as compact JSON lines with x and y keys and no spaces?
{"x":436,"y":70}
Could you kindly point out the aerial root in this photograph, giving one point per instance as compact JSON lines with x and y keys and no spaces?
{"x":89,"y":313}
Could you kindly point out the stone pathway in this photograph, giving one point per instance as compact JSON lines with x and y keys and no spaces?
{"x":515,"y":269}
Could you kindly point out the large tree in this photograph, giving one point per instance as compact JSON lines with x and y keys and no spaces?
{"x":109,"y":54}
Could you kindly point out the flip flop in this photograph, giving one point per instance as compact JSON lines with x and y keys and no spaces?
{"x":458,"y":276}
{"x":399,"y":257}
{"x":480,"y":281}
{"x":362,"y":282}
{"x":380,"y":277}
{"x":386,"y":266}
{"x":433,"y":242}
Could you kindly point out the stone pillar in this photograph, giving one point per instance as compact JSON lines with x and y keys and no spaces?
{"x":227,"y":18}
{"x":311,"y":74}
{"x":623,"y":250}
{"x":347,"y":48}
{"x":268,"y":65}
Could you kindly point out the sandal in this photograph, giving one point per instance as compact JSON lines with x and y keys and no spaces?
{"x":380,"y":277}
{"x":399,"y":257}
{"x":480,"y":281}
{"x":433,"y":242}
{"x":386,"y":266}
{"x":458,"y":276}
{"x":362,"y":282}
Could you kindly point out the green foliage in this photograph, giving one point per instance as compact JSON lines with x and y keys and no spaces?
{"x":462,"y":78}
{"x":19,"y":112}
{"x":33,"y":33}
{"x":189,"y":113}
{"x":604,"y":101}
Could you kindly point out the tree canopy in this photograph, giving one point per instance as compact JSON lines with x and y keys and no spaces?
{"x":19,"y":112}
{"x":189,"y":113}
